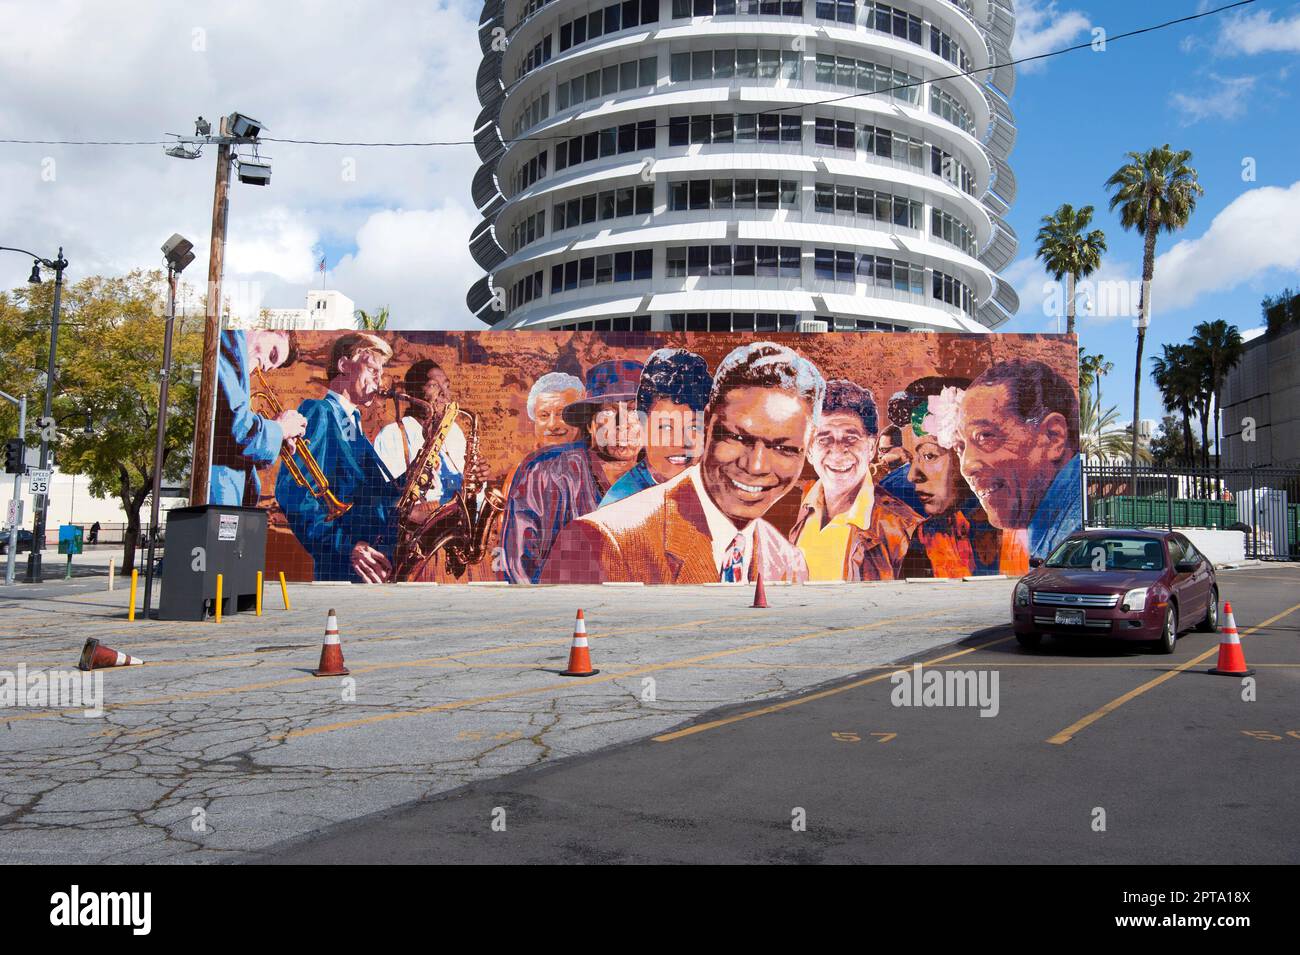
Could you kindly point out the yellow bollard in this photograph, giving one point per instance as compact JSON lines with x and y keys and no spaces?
{"x":284,"y":592}
{"x":259,"y":593}
{"x":218,"y":603}
{"x":110,"y":573}
{"x":135,"y":576}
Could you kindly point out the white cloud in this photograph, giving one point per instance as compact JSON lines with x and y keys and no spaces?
{"x":1228,"y":101}
{"x":1258,"y":32}
{"x":1041,"y":26}
{"x":400,"y":70}
{"x":1257,"y":232}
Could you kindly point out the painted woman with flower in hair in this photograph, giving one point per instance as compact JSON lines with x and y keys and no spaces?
{"x":956,"y":538}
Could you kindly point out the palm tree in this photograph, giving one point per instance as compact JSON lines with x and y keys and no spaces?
{"x":1154,"y":190}
{"x":368,"y":322}
{"x":1219,"y":347}
{"x":1100,"y":437}
{"x":1092,"y":368}
{"x":1176,"y":377}
{"x":1067,"y":252}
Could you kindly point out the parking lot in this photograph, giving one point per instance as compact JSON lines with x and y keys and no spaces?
{"x":708,"y":723}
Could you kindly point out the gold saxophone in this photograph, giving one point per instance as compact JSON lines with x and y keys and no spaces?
{"x":308,"y":474}
{"x":460,"y":527}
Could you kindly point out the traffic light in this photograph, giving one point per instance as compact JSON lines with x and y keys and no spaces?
{"x":14,"y":456}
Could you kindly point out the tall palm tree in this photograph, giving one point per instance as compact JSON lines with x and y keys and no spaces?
{"x":1219,"y":347}
{"x":368,"y":322}
{"x":1092,"y":368}
{"x":1156,"y":190}
{"x":1069,"y":251}
{"x":1175,"y":375}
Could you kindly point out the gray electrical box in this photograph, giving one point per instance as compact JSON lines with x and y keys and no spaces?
{"x":204,"y":541}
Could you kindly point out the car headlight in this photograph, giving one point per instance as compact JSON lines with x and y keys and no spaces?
{"x":1022,"y":594}
{"x":1135,"y":601}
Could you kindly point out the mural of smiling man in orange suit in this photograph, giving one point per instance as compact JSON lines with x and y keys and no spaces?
{"x":706,"y":524}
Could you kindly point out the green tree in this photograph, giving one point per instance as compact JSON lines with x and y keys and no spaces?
{"x":1100,"y":438}
{"x":110,"y":352}
{"x":1154,"y":191}
{"x":375,"y":321}
{"x":1219,"y":348}
{"x":1178,"y":379}
{"x":1281,"y":311}
{"x":1092,"y":368}
{"x":1069,"y":251}
{"x":1167,"y":447}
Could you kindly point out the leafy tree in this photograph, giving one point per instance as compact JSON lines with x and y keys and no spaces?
{"x":1069,"y":251}
{"x":1218,"y":347}
{"x":1153,"y":191}
{"x":1092,"y":368}
{"x":372,"y":322}
{"x":1100,"y":438}
{"x":1167,"y":446}
{"x":1176,"y":375}
{"x":1281,"y":311}
{"x":109,"y":354}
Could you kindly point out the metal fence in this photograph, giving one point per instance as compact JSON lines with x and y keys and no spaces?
{"x":1263,"y":503}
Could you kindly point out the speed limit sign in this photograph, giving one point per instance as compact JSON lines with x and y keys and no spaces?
{"x":38,"y":481}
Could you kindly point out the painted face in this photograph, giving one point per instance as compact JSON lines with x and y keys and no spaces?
{"x":674,"y":438}
{"x":841,"y":452}
{"x":367,"y":372}
{"x":933,"y":472}
{"x":1008,"y":463}
{"x":437,"y":391}
{"x":549,"y":427}
{"x":754,"y":449}
{"x":891,"y":454}
{"x":268,"y":350}
{"x":616,"y":432}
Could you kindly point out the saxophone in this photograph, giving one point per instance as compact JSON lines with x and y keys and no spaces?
{"x":462,"y":526}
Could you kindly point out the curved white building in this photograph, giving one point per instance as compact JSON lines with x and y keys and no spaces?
{"x":721,"y":165}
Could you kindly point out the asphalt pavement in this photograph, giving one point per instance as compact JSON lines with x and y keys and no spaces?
{"x":1099,"y":752}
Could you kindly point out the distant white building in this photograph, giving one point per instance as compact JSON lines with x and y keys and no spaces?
{"x":326,"y":310}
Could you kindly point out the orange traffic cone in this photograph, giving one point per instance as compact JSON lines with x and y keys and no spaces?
{"x":579,"y":655}
{"x":1232,"y":660}
{"x":760,"y":595}
{"x":331,"y":652}
{"x":96,"y":656}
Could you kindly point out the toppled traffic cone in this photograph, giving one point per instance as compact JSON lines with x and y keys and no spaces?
{"x":331,"y":652}
{"x":96,"y":656}
{"x":579,"y":655}
{"x":1232,"y":659}
{"x":760,"y":595}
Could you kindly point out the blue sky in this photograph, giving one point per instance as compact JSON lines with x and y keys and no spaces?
{"x":1223,"y":87}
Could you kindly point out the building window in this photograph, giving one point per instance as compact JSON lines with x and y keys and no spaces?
{"x":628,"y":266}
{"x":891,"y":20}
{"x":600,"y":206}
{"x":727,"y":64}
{"x":708,"y":128}
{"x":605,"y":82}
{"x":684,"y":9}
{"x":714,"y":194}
{"x":614,"y":140}
{"x":839,"y":265}
{"x":953,"y":231}
{"x":868,"y":77}
{"x":946,"y":106}
{"x":762,"y":261}
{"x":606,"y":20}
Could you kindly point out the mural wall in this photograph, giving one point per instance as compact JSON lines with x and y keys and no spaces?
{"x":558,"y":457}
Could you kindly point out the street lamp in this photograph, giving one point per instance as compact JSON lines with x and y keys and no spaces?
{"x":58,"y":264}
{"x":237,"y":129}
{"x":179,"y":252}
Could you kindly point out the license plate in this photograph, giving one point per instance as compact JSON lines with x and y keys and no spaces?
{"x":1073,"y":618}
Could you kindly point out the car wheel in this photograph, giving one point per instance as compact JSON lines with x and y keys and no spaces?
{"x":1169,"y":636}
{"x":1211,"y":622}
{"x":1029,"y":641}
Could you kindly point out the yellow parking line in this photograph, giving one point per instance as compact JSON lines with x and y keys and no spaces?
{"x":820,"y":695}
{"x":580,"y":684}
{"x":1067,"y":734}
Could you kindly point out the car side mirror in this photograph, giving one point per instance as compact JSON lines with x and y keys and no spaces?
{"x":1035,"y":562}
{"x":1187,"y":566}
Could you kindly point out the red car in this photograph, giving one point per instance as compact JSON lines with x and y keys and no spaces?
{"x":1127,"y":585}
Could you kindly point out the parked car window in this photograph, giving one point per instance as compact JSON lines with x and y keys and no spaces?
{"x":1177,"y":550}
{"x":1122,"y":553}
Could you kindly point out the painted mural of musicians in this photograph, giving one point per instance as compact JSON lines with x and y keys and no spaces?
{"x":356,"y":545}
{"x":398,"y":443}
{"x":554,"y":485}
{"x":1018,"y":441}
{"x":849,"y":529}
{"x":706,"y":524}
{"x":243,"y":440}
{"x":670,"y":399}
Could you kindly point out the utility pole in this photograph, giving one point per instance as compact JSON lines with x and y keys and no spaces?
{"x":46,"y":423}
{"x":234,"y":130}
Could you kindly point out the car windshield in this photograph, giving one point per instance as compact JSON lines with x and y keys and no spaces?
{"x":1119,"y":553}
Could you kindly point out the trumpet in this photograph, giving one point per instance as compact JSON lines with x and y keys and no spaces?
{"x":320,"y":489}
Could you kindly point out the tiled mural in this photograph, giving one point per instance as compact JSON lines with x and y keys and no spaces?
{"x":558,"y":457}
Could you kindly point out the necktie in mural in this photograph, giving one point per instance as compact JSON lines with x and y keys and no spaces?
{"x":734,"y":561}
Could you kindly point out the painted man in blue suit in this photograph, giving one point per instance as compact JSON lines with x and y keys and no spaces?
{"x":358,"y":545}
{"x":243,"y":440}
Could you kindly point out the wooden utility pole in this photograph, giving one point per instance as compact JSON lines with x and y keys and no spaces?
{"x":202,"y":457}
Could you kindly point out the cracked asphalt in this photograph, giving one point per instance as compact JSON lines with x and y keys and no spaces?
{"x":224,"y":743}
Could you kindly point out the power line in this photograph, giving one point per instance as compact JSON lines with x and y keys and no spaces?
{"x":553,"y":138}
